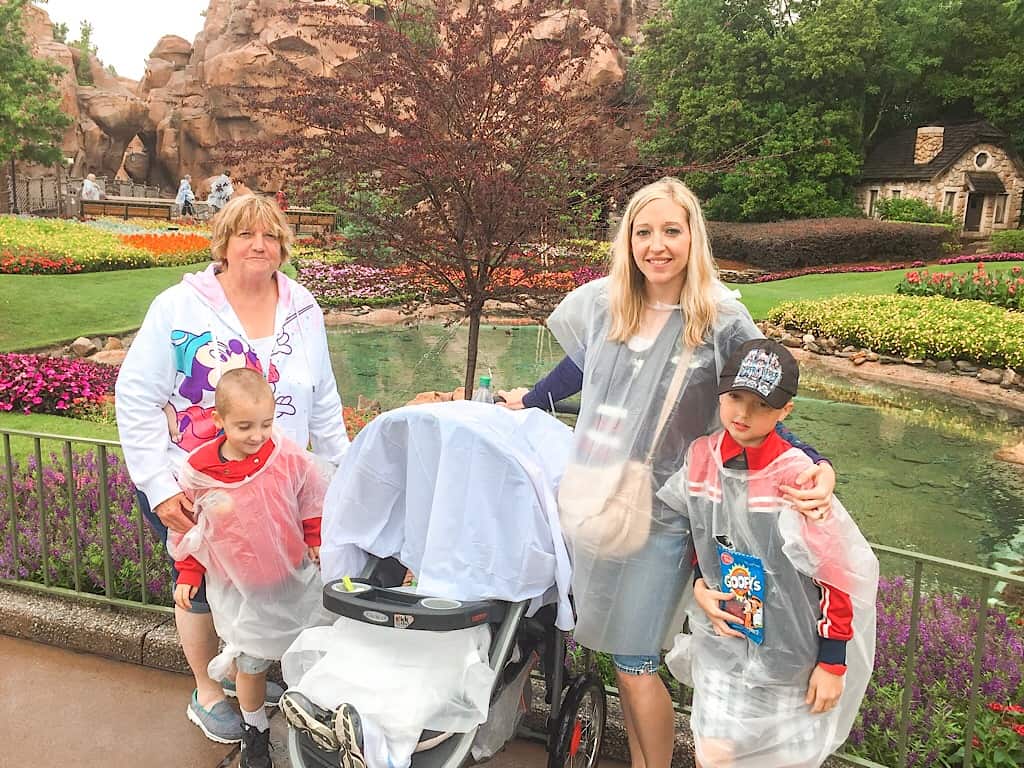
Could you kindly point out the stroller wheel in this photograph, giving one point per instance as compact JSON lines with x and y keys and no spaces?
{"x":580,"y":726}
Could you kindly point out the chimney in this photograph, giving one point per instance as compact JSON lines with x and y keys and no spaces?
{"x":928,"y":144}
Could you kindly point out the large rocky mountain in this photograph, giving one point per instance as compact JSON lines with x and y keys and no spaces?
{"x":183,"y":111}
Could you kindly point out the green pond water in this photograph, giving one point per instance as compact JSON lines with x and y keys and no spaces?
{"x":916,"y":472}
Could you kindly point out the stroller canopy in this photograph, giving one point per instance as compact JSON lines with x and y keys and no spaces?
{"x":463,"y":494}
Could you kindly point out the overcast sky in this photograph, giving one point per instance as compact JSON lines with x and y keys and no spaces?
{"x":125,"y":31}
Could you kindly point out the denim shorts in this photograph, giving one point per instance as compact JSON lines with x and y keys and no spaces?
{"x":636,"y":665}
{"x":199,"y":604}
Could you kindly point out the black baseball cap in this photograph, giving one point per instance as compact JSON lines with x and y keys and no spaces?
{"x":764,"y":367}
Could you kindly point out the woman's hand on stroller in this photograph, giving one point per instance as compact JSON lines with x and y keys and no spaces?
{"x":513,"y":397}
{"x":183,"y":594}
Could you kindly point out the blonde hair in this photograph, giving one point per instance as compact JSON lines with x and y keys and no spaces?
{"x":626,"y":286}
{"x":240,"y":382}
{"x":246,"y":212}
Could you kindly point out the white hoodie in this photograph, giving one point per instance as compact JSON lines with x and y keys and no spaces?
{"x":189,"y":338}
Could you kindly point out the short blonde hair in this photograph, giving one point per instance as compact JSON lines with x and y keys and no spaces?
{"x":238,"y":383}
{"x":245,"y":212}
{"x":626,"y":294}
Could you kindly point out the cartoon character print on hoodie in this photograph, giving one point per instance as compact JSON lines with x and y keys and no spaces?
{"x":202,"y":360}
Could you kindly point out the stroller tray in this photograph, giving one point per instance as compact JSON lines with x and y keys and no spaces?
{"x":402,"y":609}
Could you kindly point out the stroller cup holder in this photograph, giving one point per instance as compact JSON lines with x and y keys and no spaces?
{"x":402,"y":609}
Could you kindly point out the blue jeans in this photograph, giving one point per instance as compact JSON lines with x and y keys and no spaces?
{"x":636,"y":665}
{"x":199,"y":604}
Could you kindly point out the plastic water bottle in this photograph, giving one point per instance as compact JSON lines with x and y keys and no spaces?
{"x":483,"y":394}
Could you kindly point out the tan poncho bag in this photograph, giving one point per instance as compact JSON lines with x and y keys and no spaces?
{"x":608,"y":509}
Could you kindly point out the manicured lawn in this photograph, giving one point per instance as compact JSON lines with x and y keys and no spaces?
{"x":760,"y":297}
{"x":22,"y":447}
{"x":44,"y":310}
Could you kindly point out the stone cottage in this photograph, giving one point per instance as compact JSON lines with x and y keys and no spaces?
{"x":967,"y":169}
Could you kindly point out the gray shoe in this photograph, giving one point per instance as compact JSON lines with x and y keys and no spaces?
{"x":220,"y":723}
{"x":306,"y":717}
{"x":348,"y":727}
{"x":270,"y":699}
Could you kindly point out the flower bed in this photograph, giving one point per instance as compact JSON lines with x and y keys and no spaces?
{"x":345,"y":285}
{"x":44,"y":246}
{"x":85,"y":518}
{"x":1002,"y":289}
{"x":133,"y":226}
{"x":55,"y":385}
{"x":172,"y":247}
{"x":986,"y":257}
{"x":837,"y":270}
{"x":913,"y":326}
{"x":949,"y":626}
{"x":28,"y":261}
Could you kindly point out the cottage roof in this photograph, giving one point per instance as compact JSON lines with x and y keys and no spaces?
{"x":893,"y":157}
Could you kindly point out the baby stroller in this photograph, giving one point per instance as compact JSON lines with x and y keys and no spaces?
{"x":463,"y":495}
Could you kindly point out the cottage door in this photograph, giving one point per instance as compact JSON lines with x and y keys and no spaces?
{"x":972,"y":219}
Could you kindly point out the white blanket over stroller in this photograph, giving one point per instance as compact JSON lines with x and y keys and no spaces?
{"x":463,"y":494}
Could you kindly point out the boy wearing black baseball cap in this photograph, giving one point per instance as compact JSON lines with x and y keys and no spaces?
{"x":782,"y":652}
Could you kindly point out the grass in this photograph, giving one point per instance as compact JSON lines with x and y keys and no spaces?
{"x":45,"y":310}
{"x":23,"y":447}
{"x":761,"y":297}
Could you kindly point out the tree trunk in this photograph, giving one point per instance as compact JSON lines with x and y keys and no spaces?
{"x":14,"y":188}
{"x":471,"y":349}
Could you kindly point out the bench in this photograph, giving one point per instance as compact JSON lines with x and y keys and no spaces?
{"x":316,"y":220}
{"x":142,"y":208}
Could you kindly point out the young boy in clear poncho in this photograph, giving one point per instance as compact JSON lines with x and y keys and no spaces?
{"x":780,"y":668}
{"x":258,"y":503}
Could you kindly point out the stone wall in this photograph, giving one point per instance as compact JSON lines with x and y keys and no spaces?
{"x":933,"y":192}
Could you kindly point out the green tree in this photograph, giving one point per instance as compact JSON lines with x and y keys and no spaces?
{"x":86,"y":49}
{"x":981,"y":72}
{"x":784,"y":81}
{"x":31,"y":120}
{"x":60,"y":32}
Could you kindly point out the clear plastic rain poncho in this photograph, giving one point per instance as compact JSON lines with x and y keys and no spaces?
{"x":626,"y":602}
{"x":262,"y":587}
{"x":748,"y":704}
{"x":463,"y":494}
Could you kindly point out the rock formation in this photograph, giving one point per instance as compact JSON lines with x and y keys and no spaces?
{"x":185,"y":110}
{"x":106,"y":115}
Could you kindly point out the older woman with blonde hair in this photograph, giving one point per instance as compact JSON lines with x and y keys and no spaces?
{"x":645,"y":344}
{"x":242,"y":311}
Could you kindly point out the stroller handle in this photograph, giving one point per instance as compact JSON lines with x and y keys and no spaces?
{"x":399,"y":608}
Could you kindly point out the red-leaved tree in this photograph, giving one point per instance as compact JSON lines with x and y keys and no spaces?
{"x":453,"y":132}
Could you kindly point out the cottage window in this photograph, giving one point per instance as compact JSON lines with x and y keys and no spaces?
{"x":872,"y":201}
{"x":981,"y":159}
{"x":895,"y":194}
{"x":1000,"y":212}
{"x":949,"y":201}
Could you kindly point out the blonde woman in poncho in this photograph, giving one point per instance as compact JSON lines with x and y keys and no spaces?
{"x":650,"y":340}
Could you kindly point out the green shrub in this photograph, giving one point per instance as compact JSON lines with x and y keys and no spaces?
{"x":911,"y":209}
{"x":913,"y":326}
{"x":819,"y":242}
{"x":1010,"y":240}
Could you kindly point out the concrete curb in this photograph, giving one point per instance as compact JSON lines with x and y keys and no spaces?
{"x":148,"y":638}
{"x":133,"y":635}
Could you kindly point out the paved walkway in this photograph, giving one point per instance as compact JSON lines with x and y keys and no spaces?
{"x":59,"y":707}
